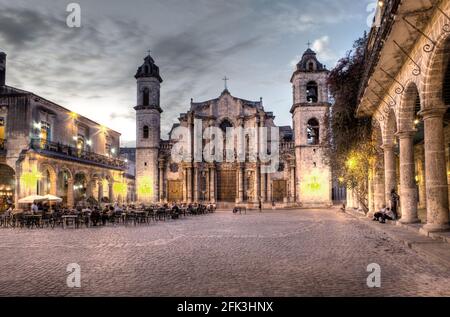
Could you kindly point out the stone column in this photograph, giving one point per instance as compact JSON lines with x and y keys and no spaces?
{"x":263,"y":188}
{"x":435,"y":171}
{"x":196,"y":184}
{"x":370,"y":186}
{"x":212,"y":183}
{"x":184,"y":184}
{"x":349,"y":197}
{"x":390,"y":173}
{"x":269,"y":188}
{"x":189,"y":183}
{"x":379,"y":196}
{"x":420,"y":170}
{"x":70,"y":200}
{"x":208,"y":186}
{"x":257,"y":183}
{"x":111,"y":191}
{"x":89,"y":188}
{"x":161,"y":182}
{"x":100,"y":190}
{"x":257,"y":186}
{"x":241,"y":174}
{"x":408,"y":188}
{"x":292,"y":180}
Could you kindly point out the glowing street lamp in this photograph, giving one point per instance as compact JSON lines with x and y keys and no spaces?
{"x":351,"y":163}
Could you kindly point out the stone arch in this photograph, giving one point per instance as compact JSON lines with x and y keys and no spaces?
{"x":410,"y":105}
{"x":7,"y":186}
{"x":312,"y":91}
{"x":49,"y":177}
{"x":313,"y":131}
{"x":390,"y":128}
{"x":64,"y":184}
{"x":226,"y":123}
{"x":377,"y":134}
{"x":435,"y":77}
{"x":81,"y":183}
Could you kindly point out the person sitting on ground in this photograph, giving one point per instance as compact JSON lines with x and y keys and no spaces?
{"x":388,"y":215}
{"x":379,"y":215}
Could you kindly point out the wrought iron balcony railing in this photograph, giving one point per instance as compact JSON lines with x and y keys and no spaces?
{"x":68,"y":152}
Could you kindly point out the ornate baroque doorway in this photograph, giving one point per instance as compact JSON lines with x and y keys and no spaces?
{"x":226,"y":185}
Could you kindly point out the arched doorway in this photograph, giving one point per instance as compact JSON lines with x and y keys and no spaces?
{"x":47,"y":181}
{"x":80,"y":188}
{"x":62,"y":188}
{"x":7,"y":186}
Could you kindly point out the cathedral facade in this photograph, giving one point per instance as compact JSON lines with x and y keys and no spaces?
{"x":301,"y":176}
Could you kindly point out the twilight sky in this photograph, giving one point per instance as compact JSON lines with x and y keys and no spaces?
{"x":90,"y":70}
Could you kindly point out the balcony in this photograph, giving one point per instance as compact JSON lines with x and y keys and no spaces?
{"x":66,"y":152}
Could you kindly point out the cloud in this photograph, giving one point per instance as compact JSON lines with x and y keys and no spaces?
{"x":325,"y":53}
{"x":90,"y":70}
{"x":323,"y":49}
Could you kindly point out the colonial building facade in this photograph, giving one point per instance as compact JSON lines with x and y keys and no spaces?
{"x":406,"y":90}
{"x":47,"y":149}
{"x":301,"y":179}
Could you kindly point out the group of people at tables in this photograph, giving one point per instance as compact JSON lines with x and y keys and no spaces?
{"x":102,"y":215}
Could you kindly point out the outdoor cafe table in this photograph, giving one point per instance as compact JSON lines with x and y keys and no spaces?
{"x":67,"y":219}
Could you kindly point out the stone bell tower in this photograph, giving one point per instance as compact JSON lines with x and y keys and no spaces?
{"x":310,"y":106}
{"x":148,"y":130}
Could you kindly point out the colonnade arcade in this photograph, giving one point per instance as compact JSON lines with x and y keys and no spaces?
{"x":411,"y":127}
{"x":74,"y":184}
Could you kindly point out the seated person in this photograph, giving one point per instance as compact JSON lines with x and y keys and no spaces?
{"x":379,"y":215}
{"x":95,"y":217}
{"x":388,"y":215}
{"x":175,"y":212}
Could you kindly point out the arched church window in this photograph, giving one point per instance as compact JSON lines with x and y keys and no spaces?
{"x":313,"y":131}
{"x":311,"y":66}
{"x":146,"y":132}
{"x":146,"y":99}
{"x":225,"y":125}
{"x":312,"y":92}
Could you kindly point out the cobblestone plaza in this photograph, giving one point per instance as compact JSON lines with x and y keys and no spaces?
{"x":276,"y":253}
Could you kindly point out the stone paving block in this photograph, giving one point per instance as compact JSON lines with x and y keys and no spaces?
{"x":275,"y":253}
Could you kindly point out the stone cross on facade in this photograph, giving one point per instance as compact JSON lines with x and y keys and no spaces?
{"x":226,"y":79}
